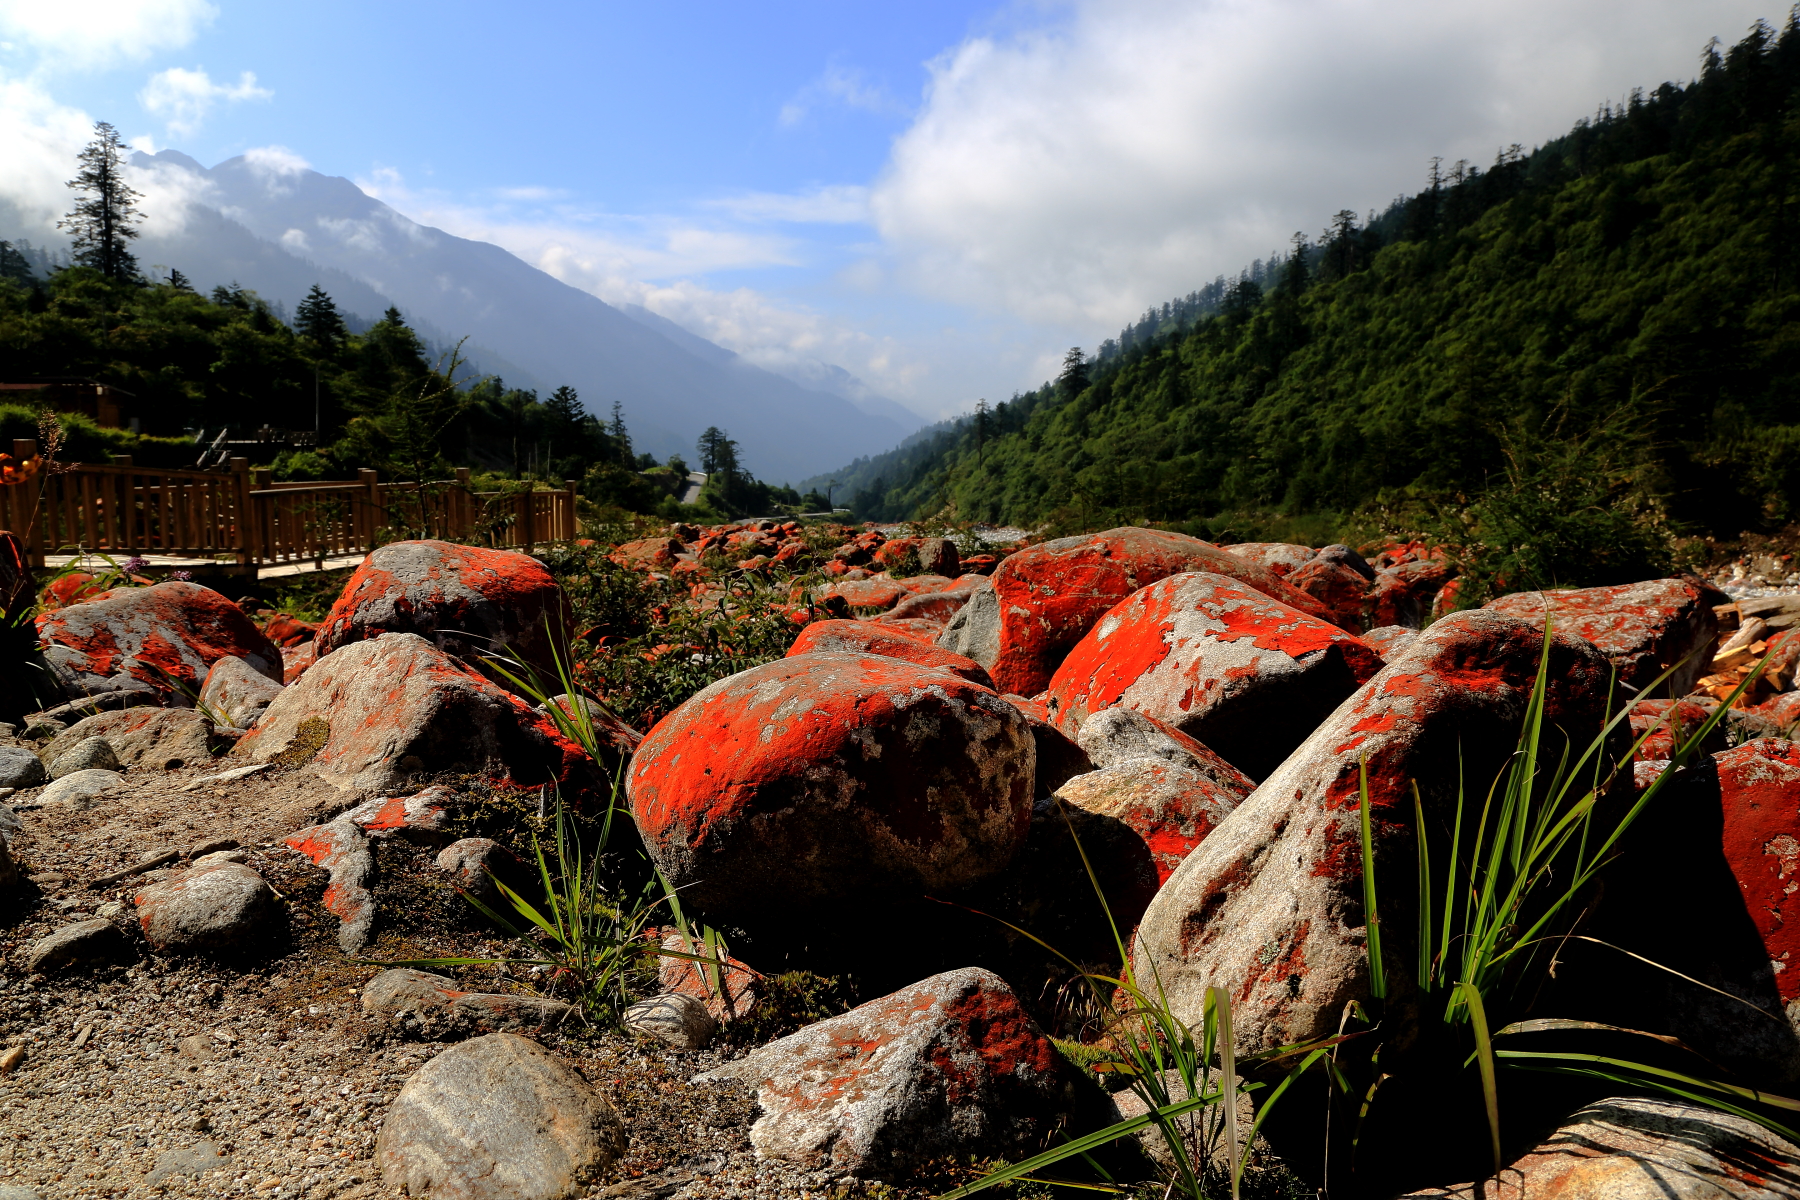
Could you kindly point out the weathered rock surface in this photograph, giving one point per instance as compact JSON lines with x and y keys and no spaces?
{"x":469,"y":601}
{"x":497,"y":1118}
{"x":1047,"y":597}
{"x":1119,"y":735}
{"x":20,"y":768}
{"x":404,"y":990}
{"x":1244,"y":675}
{"x":1639,"y":1149}
{"x":341,"y":849}
{"x":948,"y":1066}
{"x":1270,"y":904}
{"x":1059,"y":759}
{"x":1283,"y":558}
{"x":1389,"y":640}
{"x":144,"y":739}
{"x":397,"y":706}
{"x":477,"y":863}
{"x":92,"y":941}
{"x":88,"y":754}
{"x":1340,"y":588}
{"x":1669,"y":722}
{"x":214,"y":908}
{"x":1404,"y":594}
{"x":160,"y":638}
{"x":1759,"y":790}
{"x":938,"y":556}
{"x":422,"y":818}
{"x":83,"y":789}
{"x":828,"y":777}
{"x":726,"y":987}
{"x":675,"y":1018}
{"x":867,"y":637}
{"x":238,"y":692}
{"x":1644,"y":628}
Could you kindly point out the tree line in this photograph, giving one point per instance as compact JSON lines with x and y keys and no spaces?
{"x":1578,"y":353}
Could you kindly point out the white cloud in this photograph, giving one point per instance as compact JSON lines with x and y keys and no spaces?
{"x":838,"y":204}
{"x":838,"y":85}
{"x":39,"y":139}
{"x":96,"y":33}
{"x":182,"y":98}
{"x":1076,"y":173}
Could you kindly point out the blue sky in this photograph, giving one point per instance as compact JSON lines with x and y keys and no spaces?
{"x":941,"y":197}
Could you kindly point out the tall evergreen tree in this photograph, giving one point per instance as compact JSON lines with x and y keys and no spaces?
{"x":104,"y":219}
{"x":319,"y":322}
{"x":563,"y":415}
{"x":620,"y":436}
{"x":179,"y":282}
{"x":1074,"y":378}
{"x":14,"y":265}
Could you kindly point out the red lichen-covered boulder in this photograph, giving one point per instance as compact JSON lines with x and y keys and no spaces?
{"x":1670,"y":722}
{"x":161,"y":638}
{"x":1389,"y":640}
{"x":1403,"y":594}
{"x":472,"y":602}
{"x":1283,"y":558}
{"x":1343,"y":592}
{"x":1165,"y":792}
{"x":728,"y":988}
{"x":72,"y":588}
{"x":876,"y":595}
{"x":1223,"y":663}
{"x":381,"y":711}
{"x":1045,"y":599}
{"x":288,"y":632}
{"x":1058,"y":757}
{"x":1759,"y":787}
{"x":1271,"y":901}
{"x":826,"y":778}
{"x":341,"y":849}
{"x":939,"y":605}
{"x":295,"y":661}
{"x":1644,"y":628}
{"x":1783,"y":711}
{"x":866,"y":637}
{"x":949,"y":1068}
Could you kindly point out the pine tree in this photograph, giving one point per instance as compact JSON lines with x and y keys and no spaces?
{"x":1074,"y":378}
{"x":179,"y":282}
{"x":14,"y":265}
{"x":620,"y":436}
{"x":563,"y":414}
{"x":319,"y":322}
{"x":1294,"y":279}
{"x":102,"y":222}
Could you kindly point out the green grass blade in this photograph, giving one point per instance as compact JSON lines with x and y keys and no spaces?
{"x":1228,"y":1083}
{"x":1484,"y":1049}
{"x":1371,"y":918}
{"x":1423,"y":975}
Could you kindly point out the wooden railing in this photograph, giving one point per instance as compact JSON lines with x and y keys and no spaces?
{"x":246,"y":516}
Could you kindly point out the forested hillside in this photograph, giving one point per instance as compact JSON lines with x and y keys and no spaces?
{"x":1603,"y":332}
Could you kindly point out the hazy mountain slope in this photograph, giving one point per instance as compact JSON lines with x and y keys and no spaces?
{"x":557,"y":333}
{"x":810,"y":373}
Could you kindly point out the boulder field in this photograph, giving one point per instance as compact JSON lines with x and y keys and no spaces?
{"x":1148,"y":751}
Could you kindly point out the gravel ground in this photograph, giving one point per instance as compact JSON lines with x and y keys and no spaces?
{"x":261,"y":1075}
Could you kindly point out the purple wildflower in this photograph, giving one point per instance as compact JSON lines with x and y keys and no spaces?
{"x":182,"y":576}
{"x":134,"y":564}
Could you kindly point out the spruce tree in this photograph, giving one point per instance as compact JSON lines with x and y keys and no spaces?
{"x":102,"y":223}
{"x":563,"y":413}
{"x":1074,"y":378}
{"x":179,"y":282}
{"x":319,"y":322}
{"x":620,"y":436}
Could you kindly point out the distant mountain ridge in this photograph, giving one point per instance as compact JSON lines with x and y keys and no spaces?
{"x":278,"y":229}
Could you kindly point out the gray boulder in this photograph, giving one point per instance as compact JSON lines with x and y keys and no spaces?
{"x":497,"y":1118}
{"x":974,"y":632}
{"x":405,"y":990}
{"x":677,"y":1019}
{"x":951,"y":1066}
{"x":94,"y":941}
{"x":1637,"y":1149}
{"x":476,"y":863}
{"x":218,"y":907}
{"x":83,"y":789}
{"x":89,"y":754}
{"x":237,"y":692}
{"x":20,"y":768}
{"x":149,"y":739}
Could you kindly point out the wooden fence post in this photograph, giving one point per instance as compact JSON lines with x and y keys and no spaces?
{"x":371,"y":479}
{"x":36,"y":501}
{"x":525,"y":521}
{"x":572,"y":527}
{"x":247,"y":549}
{"x":461,"y":506}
